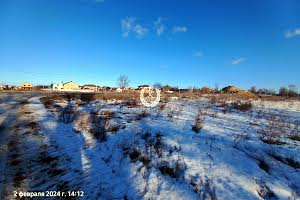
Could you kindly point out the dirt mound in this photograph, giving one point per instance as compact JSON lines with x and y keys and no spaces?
{"x":236,"y":90}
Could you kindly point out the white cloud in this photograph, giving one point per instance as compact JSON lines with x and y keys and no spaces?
{"x":159,"y":26}
{"x":292,"y":33}
{"x":179,"y":29}
{"x":140,"y":30}
{"x":127,"y":25}
{"x":238,"y":61}
{"x":198,"y":54}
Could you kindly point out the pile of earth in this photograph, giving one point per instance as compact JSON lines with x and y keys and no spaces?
{"x":236,"y":90}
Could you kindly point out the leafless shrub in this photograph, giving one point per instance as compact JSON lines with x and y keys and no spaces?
{"x":295,"y":133}
{"x":134,"y":154}
{"x":213,"y":100}
{"x":82,"y":122}
{"x":24,"y":101}
{"x":113,"y":128}
{"x":107,"y":113}
{"x":99,"y":124}
{"x":174,"y":170}
{"x":212,"y":114}
{"x":238,"y":138}
{"x":175,"y":111}
{"x":162,"y":106}
{"x":142,"y":115}
{"x":131,"y":103}
{"x":203,"y":187}
{"x":236,"y":105}
{"x":48,"y":101}
{"x":242,"y":106}
{"x":145,"y":159}
{"x":67,"y":114}
{"x":87,"y":97}
{"x":199,"y":120}
{"x":94,"y":123}
{"x":275,"y":128}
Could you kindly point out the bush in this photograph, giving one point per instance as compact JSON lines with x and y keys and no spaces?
{"x":131,"y":103}
{"x":134,"y":154}
{"x":67,"y":114}
{"x":295,"y":133}
{"x":199,"y":120}
{"x":94,"y":123}
{"x":175,"y":111}
{"x":87,"y":97}
{"x":142,"y":115}
{"x":113,"y":128}
{"x":174,"y":170}
{"x":242,"y":106}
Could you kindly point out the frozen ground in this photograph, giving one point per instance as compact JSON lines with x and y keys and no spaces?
{"x":153,"y":154}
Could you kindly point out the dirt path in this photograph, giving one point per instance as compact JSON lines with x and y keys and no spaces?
{"x":29,"y":160}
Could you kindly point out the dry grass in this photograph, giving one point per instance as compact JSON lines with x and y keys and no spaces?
{"x":95,"y":123}
{"x":275,"y":128}
{"x":175,"y":111}
{"x":295,"y":132}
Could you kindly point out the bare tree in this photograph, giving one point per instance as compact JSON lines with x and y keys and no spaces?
{"x":253,"y":89}
{"x":292,"y":90}
{"x":216,"y":86}
{"x":157,"y":85}
{"x":123,"y":81}
{"x":283,"y":91}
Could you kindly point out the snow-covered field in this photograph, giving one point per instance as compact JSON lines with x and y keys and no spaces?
{"x":111,"y":151}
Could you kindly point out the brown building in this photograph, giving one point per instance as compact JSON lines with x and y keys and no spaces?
{"x":26,"y":86}
{"x":89,"y":87}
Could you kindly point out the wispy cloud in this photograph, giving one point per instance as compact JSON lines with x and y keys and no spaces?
{"x":140,"y":30}
{"x":292,"y":33}
{"x":238,"y":61}
{"x":198,"y":54}
{"x":127,"y":24}
{"x":159,"y":26}
{"x":179,"y":29}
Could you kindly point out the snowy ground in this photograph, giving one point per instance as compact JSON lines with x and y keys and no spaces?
{"x":154,"y":154}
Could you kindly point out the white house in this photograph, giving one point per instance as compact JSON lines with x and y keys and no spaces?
{"x":119,"y":90}
{"x":169,"y":91}
{"x":57,"y":86}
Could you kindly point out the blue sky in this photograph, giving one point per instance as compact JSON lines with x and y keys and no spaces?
{"x":187,"y":43}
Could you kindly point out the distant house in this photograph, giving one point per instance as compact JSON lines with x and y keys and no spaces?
{"x":89,"y":87}
{"x":26,"y":86}
{"x":119,"y":90}
{"x":104,"y":88}
{"x":169,"y":91}
{"x":57,"y":86}
{"x":142,"y":86}
{"x":71,"y":86}
{"x":42,"y":87}
{"x":1,"y":87}
{"x":9,"y":87}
